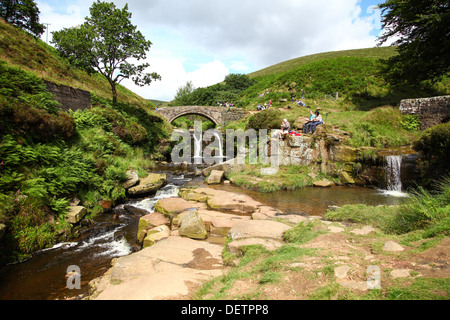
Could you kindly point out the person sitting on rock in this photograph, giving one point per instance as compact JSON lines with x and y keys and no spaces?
{"x":308,"y":120}
{"x":311,"y":127}
{"x":285,"y":128}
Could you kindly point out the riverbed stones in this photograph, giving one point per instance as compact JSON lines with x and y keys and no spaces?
{"x":76,"y":214}
{"x":150,"y":184}
{"x":323,"y":183}
{"x":192,"y":226}
{"x":174,"y":206}
{"x":150,"y":221}
{"x":156,"y":234}
{"x":215,"y":177}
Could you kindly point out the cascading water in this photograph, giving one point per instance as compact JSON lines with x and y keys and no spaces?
{"x":42,"y":276}
{"x":392,"y":172}
{"x":393,"y":166}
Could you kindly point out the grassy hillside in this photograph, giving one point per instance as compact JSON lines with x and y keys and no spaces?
{"x":32,"y":55}
{"x":370,"y":53}
{"x":366,"y":106}
{"x":49,"y":158}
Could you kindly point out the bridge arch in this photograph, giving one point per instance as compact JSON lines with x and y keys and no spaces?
{"x":203,"y":114}
{"x":218,"y":115}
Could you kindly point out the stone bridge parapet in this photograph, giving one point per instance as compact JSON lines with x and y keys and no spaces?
{"x":431,"y":111}
{"x":218,"y":115}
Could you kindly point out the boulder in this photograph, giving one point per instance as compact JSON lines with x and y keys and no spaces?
{"x":266,"y":229}
{"x":132,"y":179}
{"x":152,"y":183}
{"x":76,"y":214}
{"x":150,"y":221}
{"x":192,"y":226}
{"x":215,"y":177}
{"x":174,"y":206}
{"x":156,"y":234}
{"x":323,"y":183}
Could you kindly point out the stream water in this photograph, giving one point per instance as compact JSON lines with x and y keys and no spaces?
{"x":43,"y":277}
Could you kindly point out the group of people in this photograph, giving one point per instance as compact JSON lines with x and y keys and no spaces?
{"x":227,"y":104}
{"x":266,"y":105}
{"x":312,"y":122}
{"x":309,"y":126}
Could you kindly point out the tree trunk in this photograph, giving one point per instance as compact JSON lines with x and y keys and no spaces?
{"x":114,"y":92}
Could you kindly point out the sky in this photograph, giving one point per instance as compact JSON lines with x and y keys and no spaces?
{"x":204,"y":40}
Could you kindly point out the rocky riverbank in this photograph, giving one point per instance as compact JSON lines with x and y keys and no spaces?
{"x":174,"y":263}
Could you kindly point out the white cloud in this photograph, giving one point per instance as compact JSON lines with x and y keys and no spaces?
{"x":202,"y":40}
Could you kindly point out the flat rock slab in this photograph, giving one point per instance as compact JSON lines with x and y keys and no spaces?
{"x":174,"y":206}
{"x":162,"y":271}
{"x":265,"y":229}
{"x":223,"y":200}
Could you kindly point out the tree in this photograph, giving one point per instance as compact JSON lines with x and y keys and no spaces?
{"x":183,"y":97}
{"x":422,"y":30}
{"x":23,"y":14}
{"x":105,"y":43}
{"x":238,"y":81}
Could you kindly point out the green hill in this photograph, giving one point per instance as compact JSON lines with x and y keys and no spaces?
{"x":370,"y":53}
{"x":48,"y":157}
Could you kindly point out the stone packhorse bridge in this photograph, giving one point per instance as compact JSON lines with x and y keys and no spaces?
{"x":218,"y":115}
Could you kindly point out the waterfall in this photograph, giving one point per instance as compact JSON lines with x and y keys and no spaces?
{"x":392,"y":167}
{"x":392,"y":174}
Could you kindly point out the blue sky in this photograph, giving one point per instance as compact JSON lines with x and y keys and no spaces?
{"x":204,"y":40}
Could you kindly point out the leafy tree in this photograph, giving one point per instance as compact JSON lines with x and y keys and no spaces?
{"x":104,"y":43}
{"x":183,"y":96}
{"x":238,"y":81}
{"x":422,"y":32}
{"x":23,"y":14}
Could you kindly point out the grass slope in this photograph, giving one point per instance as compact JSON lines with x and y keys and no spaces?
{"x":48,"y":157}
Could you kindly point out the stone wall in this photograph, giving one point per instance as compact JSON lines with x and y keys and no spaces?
{"x":431,"y":111}
{"x":70,"y":98}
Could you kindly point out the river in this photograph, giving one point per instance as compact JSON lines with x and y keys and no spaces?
{"x":43,"y":277}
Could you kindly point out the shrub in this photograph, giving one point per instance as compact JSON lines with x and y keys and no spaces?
{"x":267,"y":119}
{"x":434,"y":141}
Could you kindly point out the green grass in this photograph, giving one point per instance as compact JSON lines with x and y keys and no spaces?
{"x":424,"y":212}
{"x":373,"y":53}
